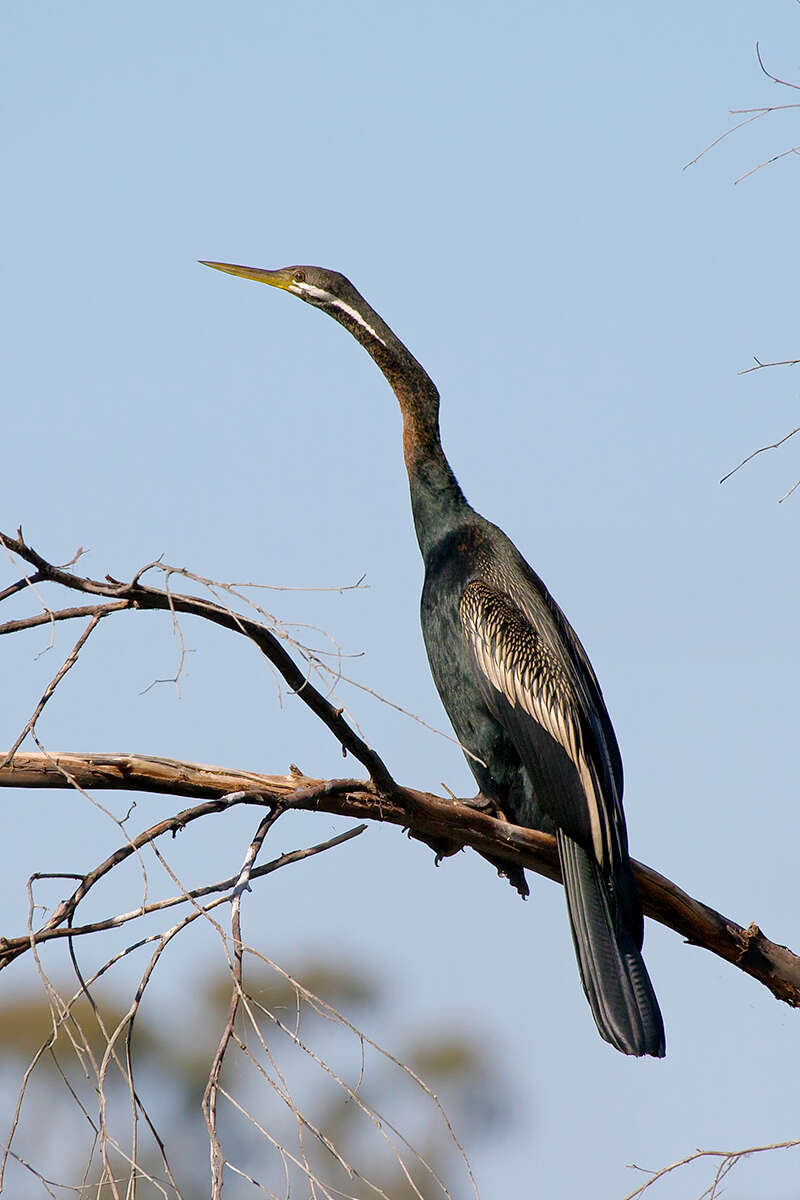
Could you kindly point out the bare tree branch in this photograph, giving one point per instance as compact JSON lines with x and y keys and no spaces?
{"x":761,"y":449}
{"x":750,"y":115}
{"x":223,"y":885}
{"x":768,"y":162}
{"x":136,"y":595}
{"x":785,"y":362}
{"x":60,"y":922}
{"x":67,"y":665}
{"x":430,"y":818}
{"x":212,"y":1086}
{"x":726,"y":1161}
{"x":774,"y":78}
{"x":398,"y":1146}
{"x":446,"y":825}
{"x":757,"y":113}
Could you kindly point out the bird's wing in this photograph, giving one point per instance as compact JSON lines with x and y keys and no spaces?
{"x":537,"y":695}
{"x":529,"y":593}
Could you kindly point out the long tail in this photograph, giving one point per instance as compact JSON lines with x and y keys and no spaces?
{"x":613,"y":973}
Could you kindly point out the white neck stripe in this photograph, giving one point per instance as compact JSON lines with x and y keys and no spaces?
{"x":308,"y":290}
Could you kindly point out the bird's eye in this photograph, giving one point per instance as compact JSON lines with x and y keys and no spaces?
{"x":299,"y":276}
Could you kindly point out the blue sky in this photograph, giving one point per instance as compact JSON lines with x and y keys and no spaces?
{"x":506,"y":187}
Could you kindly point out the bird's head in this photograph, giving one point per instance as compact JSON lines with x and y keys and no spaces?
{"x":325,"y":289}
{"x":315,"y":285}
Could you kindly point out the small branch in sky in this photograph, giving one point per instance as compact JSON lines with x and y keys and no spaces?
{"x":774,"y":78}
{"x":767,"y":162}
{"x":68,"y":663}
{"x":761,"y":112}
{"x":761,"y":449}
{"x":750,"y":115}
{"x":760,"y":366}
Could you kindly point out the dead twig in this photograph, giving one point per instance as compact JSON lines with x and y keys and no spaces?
{"x":137,"y":595}
{"x":728,"y":1159}
{"x":761,"y":449}
{"x":750,"y":115}
{"x":786,"y":362}
{"x":144,"y":910}
{"x":63,"y":1017}
{"x":774,"y":78}
{"x":59,"y":923}
{"x":768,"y":162}
{"x":212,"y":1086}
{"x":67,"y":665}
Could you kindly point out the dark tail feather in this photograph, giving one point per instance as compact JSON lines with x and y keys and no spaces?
{"x":613,"y":973}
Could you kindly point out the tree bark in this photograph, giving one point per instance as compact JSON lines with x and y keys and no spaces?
{"x":447,"y":825}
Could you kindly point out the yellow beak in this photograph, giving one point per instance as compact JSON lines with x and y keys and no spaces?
{"x":280,"y":279}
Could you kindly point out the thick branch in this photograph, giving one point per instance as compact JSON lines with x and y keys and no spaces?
{"x":426,"y":816}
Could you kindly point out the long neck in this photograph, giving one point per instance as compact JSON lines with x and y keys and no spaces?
{"x":437,"y":501}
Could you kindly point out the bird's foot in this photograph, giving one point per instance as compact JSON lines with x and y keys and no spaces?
{"x":515,"y":875}
{"x":484,"y":804}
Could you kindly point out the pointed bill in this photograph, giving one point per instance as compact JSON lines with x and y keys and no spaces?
{"x":280,"y":279}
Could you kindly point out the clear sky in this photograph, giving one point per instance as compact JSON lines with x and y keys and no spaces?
{"x":504,"y":184}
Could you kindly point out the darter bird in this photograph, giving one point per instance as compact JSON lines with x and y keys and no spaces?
{"x":516,"y":682}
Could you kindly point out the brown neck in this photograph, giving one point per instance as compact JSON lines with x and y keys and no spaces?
{"x":437,"y":501}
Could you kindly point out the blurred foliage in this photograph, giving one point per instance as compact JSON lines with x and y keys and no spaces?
{"x":290,"y":1038}
{"x":340,"y":986}
{"x":26,"y":1022}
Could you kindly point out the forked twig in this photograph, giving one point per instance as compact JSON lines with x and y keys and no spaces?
{"x":750,"y":115}
{"x":728,"y":1159}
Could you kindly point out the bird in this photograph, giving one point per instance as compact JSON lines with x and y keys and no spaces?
{"x":515,"y":681}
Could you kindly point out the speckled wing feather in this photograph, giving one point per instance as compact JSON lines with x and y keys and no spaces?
{"x":532,"y":690}
{"x":585,"y":679}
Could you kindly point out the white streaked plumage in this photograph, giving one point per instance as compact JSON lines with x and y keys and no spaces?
{"x":528,"y":675}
